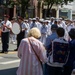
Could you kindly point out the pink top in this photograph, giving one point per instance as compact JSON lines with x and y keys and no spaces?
{"x":29,"y":64}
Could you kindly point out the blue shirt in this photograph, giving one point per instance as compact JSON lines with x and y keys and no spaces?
{"x":50,"y":38}
{"x":71,"y":58}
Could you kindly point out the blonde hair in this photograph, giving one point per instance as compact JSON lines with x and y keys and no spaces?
{"x":35,"y":32}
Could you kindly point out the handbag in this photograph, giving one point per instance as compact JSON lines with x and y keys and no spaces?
{"x":35,"y":53}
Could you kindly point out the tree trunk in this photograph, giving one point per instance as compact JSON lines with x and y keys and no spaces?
{"x":49,"y":9}
{"x":23,"y":9}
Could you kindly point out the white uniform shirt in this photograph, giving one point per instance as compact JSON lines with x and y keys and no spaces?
{"x":69,"y":27}
{"x":8,"y":23}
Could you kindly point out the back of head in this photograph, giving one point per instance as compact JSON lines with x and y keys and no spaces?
{"x":54,"y":27}
{"x":60,"y":32}
{"x":72,"y":33}
{"x":34,"y":32}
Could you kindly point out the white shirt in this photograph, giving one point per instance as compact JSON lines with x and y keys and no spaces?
{"x":8,"y":23}
{"x":69,"y":27}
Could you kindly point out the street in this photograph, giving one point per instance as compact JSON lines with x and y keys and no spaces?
{"x":9,"y":62}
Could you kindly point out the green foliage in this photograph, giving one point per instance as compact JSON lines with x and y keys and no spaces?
{"x":50,"y":3}
{"x":60,"y":2}
{"x":24,"y":4}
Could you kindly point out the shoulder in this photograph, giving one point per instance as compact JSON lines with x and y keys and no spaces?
{"x":60,"y":41}
{"x":2,"y":22}
{"x":25,"y":40}
{"x":53,"y":36}
{"x":9,"y":22}
{"x":35,"y":41}
{"x":46,"y":26}
{"x":72,"y":42}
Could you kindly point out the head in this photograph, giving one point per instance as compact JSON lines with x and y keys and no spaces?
{"x":55,"y":22}
{"x":46,"y":22}
{"x":34,"y":32}
{"x":29,"y":20}
{"x":14,"y":19}
{"x":59,"y":22}
{"x":20,"y":19}
{"x":37,"y":19}
{"x":26,"y":21}
{"x":60,"y":32}
{"x":54,"y":28}
{"x":34,"y":20}
{"x":72,"y":33}
{"x":41,"y":21}
{"x":52,"y":19}
{"x":6,"y":17}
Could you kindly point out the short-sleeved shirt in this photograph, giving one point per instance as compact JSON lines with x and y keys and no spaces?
{"x":8,"y":23}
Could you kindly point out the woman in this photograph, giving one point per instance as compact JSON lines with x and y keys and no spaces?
{"x":29,"y":64}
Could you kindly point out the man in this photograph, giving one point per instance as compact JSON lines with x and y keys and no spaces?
{"x":6,"y":27}
{"x":44,"y":30}
{"x":33,"y":23}
{"x":51,"y":37}
{"x":13,"y":36}
{"x":52,"y":20}
{"x":57,"y":53}
{"x":21,"y":35}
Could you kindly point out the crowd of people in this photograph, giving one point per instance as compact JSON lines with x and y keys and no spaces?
{"x":45,"y":47}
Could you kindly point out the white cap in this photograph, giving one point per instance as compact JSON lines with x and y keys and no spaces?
{"x":34,"y":19}
{"x":41,"y":20}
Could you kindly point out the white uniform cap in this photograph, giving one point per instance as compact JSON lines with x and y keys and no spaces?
{"x":52,"y":18}
{"x":34,"y":19}
{"x":41,"y":20}
{"x":46,"y":20}
{"x":30,"y":18}
{"x":26,"y":20}
{"x":60,"y":18}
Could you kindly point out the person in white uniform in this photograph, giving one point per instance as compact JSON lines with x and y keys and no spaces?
{"x":6,"y":28}
{"x":44,"y":30}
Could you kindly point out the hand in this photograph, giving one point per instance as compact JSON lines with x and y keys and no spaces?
{"x":4,"y":25}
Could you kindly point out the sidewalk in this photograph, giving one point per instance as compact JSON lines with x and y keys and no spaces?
{"x":11,"y":46}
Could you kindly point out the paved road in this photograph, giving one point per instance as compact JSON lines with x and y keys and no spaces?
{"x":9,"y":62}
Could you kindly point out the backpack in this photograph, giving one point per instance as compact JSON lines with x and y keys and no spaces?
{"x":60,"y":51}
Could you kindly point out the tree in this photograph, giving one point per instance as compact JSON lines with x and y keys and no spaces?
{"x":50,"y":3}
{"x":24,"y":6}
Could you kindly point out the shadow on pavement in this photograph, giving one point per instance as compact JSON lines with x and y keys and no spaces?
{"x":11,"y":71}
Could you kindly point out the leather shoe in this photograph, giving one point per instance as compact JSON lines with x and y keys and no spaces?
{"x":15,"y":49}
{"x":2,"y":52}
